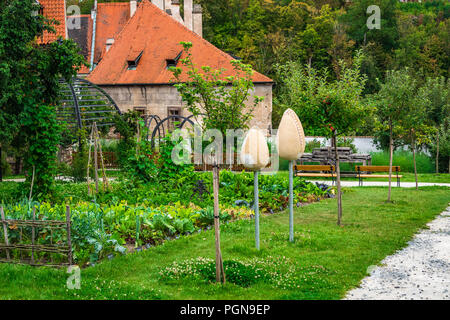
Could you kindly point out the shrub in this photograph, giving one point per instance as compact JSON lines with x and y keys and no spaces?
{"x":314,"y":144}
{"x":79,"y":165}
{"x":404,"y":159}
{"x":347,"y":142}
{"x":4,"y":165}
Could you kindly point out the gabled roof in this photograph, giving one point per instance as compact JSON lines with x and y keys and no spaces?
{"x":54,"y":9}
{"x":158,"y":35}
{"x":111,"y":18}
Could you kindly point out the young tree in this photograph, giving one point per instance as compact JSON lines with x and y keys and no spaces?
{"x":417,"y":125}
{"x":444,"y":141}
{"x":393,"y":103}
{"x":438,"y":94}
{"x":222,"y":101}
{"x":331,"y":107}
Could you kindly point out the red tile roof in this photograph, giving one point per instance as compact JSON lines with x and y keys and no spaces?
{"x":159,"y":36}
{"x":111,"y":18}
{"x":54,"y":9}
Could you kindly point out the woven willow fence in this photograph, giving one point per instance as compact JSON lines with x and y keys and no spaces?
{"x":32,"y":241}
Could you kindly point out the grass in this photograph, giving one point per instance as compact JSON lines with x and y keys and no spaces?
{"x":404,"y":159}
{"x":407,"y":177}
{"x":324,"y":262}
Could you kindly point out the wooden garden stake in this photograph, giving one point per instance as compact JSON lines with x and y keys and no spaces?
{"x":96,"y":158}
{"x":338,"y":178}
{"x":220,"y":274}
{"x":32,"y":183}
{"x":69,"y":239}
{"x":33,"y":234}
{"x":5,"y":231}
{"x":138,"y":137}
{"x":89,"y":160}
{"x":104,"y":177}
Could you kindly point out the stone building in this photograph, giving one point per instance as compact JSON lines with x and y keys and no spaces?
{"x":136,"y":43}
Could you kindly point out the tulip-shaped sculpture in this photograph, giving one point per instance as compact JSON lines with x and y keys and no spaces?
{"x":291,"y":146}
{"x":255,"y":155}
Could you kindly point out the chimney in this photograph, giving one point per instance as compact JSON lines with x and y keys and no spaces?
{"x":197,"y":14}
{"x":188,"y":8}
{"x":133,"y":6}
{"x":159,"y":4}
{"x":175,"y":6}
{"x":109,"y":43}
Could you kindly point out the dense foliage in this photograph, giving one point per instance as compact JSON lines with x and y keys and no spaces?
{"x":129,"y":217}
{"x":29,"y":86}
{"x":99,"y":230}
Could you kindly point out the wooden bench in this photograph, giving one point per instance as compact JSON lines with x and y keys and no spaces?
{"x":322,"y":171}
{"x":367,"y":169}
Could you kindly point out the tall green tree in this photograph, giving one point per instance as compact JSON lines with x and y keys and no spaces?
{"x":29,"y":80}
{"x":393,"y":103}
{"x":326,"y":106}
{"x":417,"y":125}
{"x":438,"y":109}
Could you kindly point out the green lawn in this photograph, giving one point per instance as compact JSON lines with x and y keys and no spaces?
{"x":407,"y":177}
{"x":324,"y":262}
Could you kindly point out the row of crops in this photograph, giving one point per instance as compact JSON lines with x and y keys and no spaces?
{"x":100,"y":231}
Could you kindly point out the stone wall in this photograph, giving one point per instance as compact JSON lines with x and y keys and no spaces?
{"x":159,"y":99}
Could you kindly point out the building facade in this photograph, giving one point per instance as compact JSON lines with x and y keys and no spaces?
{"x":133,"y":66}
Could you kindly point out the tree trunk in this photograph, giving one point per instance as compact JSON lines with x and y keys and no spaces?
{"x":437,"y":153}
{"x":414,"y":160}
{"x":32,"y":183}
{"x":220,"y":274}
{"x":391,"y":155}
{"x":338,"y":179}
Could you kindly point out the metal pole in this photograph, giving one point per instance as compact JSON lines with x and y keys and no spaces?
{"x":291,"y":201}
{"x":94,"y":30}
{"x":256,"y":209}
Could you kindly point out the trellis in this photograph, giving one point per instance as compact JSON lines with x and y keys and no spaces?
{"x":14,"y":251}
{"x":94,"y":141}
{"x":83,"y":104}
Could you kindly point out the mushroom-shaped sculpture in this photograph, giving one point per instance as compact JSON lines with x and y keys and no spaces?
{"x":254,"y":151}
{"x":291,"y":137}
{"x":291,"y":145}
{"x":255,"y":155}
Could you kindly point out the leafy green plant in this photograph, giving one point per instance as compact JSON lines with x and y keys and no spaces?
{"x":207,"y":216}
{"x":222,"y":99}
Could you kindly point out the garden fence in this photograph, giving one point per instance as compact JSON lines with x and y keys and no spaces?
{"x":33,"y":242}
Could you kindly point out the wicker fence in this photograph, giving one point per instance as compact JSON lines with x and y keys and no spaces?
{"x":33,"y":241}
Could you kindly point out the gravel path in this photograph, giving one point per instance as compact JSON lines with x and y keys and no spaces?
{"x":421,"y":271}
